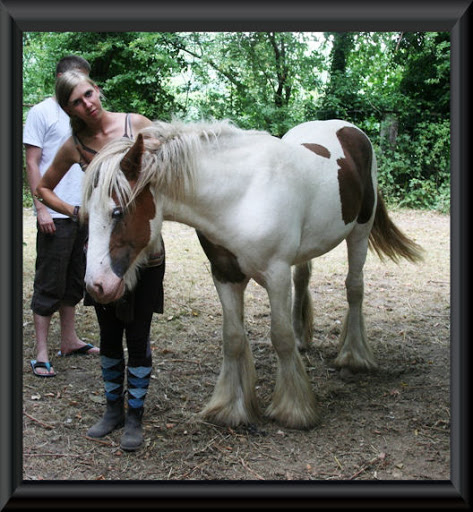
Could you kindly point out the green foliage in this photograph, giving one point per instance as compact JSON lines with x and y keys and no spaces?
{"x":394,"y":86}
{"x":27,"y":199}
{"x":416,"y":174}
{"x":402,"y":79}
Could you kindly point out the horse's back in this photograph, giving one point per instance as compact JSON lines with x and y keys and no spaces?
{"x":322,"y":134}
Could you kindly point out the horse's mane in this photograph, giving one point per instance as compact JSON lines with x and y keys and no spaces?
{"x":167,"y":163}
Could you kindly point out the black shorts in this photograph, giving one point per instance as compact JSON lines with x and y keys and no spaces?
{"x":60,"y":267}
{"x":132,"y":315}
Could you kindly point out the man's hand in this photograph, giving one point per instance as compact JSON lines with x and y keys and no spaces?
{"x":45,"y":221}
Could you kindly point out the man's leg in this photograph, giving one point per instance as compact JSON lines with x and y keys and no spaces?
{"x":41,"y":326}
{"x":69,"y":339}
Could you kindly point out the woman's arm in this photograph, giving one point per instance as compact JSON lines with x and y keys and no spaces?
{"x":66,"y":156}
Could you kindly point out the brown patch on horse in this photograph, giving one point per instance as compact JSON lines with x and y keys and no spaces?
{"x":224,"y":264}
{"x":132,"y":232}
{"x":357,"y":194}
{"x":318,"y":149}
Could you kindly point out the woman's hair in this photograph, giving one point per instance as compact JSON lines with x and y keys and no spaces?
{"x":65,"y":84}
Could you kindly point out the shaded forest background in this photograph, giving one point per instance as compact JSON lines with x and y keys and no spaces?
{"x":395,"y":86}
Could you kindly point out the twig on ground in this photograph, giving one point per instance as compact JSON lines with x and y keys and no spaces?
{"x":379,"y":458}
{"x":99,"y":441}
{"x":245,"y":465}
{"x":32,"y":418}
{"x":48,"y":454}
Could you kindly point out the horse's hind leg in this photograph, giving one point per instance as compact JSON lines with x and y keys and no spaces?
{"x":302,"y":312}
{"x":355,"y":353}
{"x":234,"y":398}
{"x":293,"y":403}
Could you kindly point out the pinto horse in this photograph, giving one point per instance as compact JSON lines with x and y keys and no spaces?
{"x":261,"y":206}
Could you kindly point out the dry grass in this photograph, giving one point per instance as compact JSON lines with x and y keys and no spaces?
{"x":393,"y":424}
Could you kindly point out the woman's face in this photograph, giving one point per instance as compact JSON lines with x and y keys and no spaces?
{"x":84,"y":102}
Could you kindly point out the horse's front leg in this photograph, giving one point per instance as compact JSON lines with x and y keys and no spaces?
{"x":293,"y":403}
{"x":234,"y":398}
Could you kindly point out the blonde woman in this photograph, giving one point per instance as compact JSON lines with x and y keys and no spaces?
{"x":92,"y":128}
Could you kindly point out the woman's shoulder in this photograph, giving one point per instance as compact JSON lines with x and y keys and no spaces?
{"x":69,"y":146}
{"x":139,"y":122}
{"x":66,"y":156}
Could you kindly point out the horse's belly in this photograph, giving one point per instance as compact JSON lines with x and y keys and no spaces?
{"x":320,"y":238}
{"x":309,"y":253}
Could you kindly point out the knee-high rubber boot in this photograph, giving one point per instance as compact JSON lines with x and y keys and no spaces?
{"x":138,"y":382}
{"x":113,"y":372}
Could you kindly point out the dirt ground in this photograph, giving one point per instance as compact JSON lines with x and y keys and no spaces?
{"x":392,"y":424}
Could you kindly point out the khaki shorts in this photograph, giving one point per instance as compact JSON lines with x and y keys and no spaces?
{"x":60,"y":267}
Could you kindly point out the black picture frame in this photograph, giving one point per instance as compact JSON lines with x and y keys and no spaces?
{"x":18,"y":16}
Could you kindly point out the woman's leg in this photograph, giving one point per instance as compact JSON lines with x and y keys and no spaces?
{"x":113,"y":371}
{"x":139,"y":355}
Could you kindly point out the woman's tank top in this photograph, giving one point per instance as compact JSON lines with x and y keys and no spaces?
{"x":87,"y":154}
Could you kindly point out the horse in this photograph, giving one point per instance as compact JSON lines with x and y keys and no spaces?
{"x":263,"y":208}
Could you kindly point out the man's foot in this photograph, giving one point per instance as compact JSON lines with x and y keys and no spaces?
{"x":84,"y":350}
{"x":41,"y":369}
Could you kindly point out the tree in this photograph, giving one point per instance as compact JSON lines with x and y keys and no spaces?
{"x":395,"y":86}
{"x":133,"y":69}
{"x":260,"y":79}
{"x":340,"y":97}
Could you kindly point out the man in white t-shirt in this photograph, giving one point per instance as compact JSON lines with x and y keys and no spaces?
{"x":60,"y":260}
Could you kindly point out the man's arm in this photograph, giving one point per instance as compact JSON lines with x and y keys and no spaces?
{"x":33,"y":157}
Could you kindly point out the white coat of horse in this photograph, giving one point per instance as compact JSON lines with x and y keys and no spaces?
{"x":261,"y":206}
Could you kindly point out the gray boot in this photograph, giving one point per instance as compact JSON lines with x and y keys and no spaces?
{"x":132,"y":437}
{"x":113,"y":418}
{"x":138,"y":382}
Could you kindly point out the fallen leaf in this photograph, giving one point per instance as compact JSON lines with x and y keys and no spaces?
{"x":97,"y":399}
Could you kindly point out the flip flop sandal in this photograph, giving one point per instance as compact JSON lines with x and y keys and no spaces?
{"x":37,"y":364}
{"x":82,"y":351}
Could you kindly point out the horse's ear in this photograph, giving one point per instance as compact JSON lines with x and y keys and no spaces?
{"x":131,"y":162}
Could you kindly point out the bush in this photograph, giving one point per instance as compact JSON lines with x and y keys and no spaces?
{"x":416,"y":174}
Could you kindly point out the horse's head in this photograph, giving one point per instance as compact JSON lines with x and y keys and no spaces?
{"x":124,"y":221}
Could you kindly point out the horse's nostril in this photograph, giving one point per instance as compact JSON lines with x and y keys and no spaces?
{"x":98,"y":288}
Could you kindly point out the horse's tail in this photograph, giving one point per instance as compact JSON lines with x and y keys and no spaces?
{"x":386,"y":239}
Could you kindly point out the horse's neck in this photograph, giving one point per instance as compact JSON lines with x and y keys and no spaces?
{"x":221,"y":180}
{"x":189,"y":212}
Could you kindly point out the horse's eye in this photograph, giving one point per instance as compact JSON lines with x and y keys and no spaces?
{"x":117,"y":213}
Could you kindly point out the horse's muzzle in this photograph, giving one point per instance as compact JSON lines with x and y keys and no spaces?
{"x":104,"y":294}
